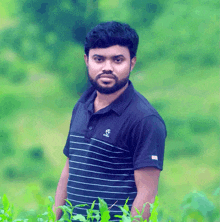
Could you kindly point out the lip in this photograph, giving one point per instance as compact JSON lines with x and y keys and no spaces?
{"x":107,"y":76}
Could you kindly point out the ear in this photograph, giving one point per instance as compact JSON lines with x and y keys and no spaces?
{"x":86,"y":58}
{"x":133,"y":62}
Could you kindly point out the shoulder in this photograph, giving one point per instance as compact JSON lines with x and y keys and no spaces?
{"x":85,"y":98}
{"x":86,"y":95}
{"x":141,"y":109}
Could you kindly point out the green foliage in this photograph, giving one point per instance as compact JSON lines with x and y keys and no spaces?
{"x":49,"y":182}
{"x":47,"y":30}
{"x":6,"y":211}
{"x":146,"y":12}
{"x":154,"y":213}
{"x":102,"y":214}
{"x":42,"y":74}
{"x":44,"y":34}
{"x":65,"y":19}
{"x":68,"y":212}
{"x":12,"y":66}
{"x":103,"y":207}
{"x":93,"y":214}
{"x":33,"y":158}
{"x":126,"y":216}
{"x":6,"y":148}
{"x":36,"y":153}
{"x":185,"y":149}
{"x":8,"y":105}
{"x":201,"y":124}
{"x":195,"y":206}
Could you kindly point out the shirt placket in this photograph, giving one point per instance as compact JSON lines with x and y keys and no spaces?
{"x":91,"y":126}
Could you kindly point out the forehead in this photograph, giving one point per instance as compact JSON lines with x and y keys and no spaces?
{"x":110,"y":51}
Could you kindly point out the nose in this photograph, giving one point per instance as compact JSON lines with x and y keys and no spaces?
{"x":107,"y":67}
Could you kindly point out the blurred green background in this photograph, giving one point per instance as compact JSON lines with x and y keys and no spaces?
{"x":42,"y":75}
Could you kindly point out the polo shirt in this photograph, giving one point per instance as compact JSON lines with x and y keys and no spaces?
{"x":104,"y":149}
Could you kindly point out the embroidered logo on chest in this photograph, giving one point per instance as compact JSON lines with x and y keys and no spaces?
{"x":107,"y":133}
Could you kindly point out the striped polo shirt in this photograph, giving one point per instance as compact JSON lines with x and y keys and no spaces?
{"x":104,"y":149}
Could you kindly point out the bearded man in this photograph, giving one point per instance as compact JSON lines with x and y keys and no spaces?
{"x":115,"y":145}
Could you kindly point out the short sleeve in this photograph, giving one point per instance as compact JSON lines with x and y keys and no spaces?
{"x":67,"y":145}
{"x":148,"y":143}
{"x":66,"y":148}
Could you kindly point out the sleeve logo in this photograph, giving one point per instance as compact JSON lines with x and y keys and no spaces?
{"x":154,"y":157}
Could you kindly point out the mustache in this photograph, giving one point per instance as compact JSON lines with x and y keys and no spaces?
{"x":108,"y":73}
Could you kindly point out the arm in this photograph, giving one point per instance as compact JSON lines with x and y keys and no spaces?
{"x":61,"y":193}
{"x":146,"y":180}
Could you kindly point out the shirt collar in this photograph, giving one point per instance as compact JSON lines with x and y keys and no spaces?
{"x":118,"y":105}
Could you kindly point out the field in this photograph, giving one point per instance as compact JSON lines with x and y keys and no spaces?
{"x":177,"y":71}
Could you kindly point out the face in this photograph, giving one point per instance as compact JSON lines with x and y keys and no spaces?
{"x":109,"y":68}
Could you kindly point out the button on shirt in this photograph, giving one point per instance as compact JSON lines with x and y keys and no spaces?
{"x":104,"y":148}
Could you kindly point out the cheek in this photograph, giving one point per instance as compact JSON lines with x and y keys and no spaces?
{"x":91,"y":70}
{"x":93,"y":67}
{"x":124,"y":70}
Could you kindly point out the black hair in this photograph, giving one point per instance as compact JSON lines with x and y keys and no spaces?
{"x":112,"y":33}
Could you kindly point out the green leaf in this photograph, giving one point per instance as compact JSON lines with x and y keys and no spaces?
{"x":126,"y":219}
{"x":51,"y":199}
{"x":69,"y":202}
{"x":65,"y":209}
{"x":153,"y":216}
{"x":126,"y":207}
{"x":144,"y":207}
{"x":51,"y":214}
{"x":78,"y":205}
{"x":118,"y":216}
{"x":90,"y":215}
{"x":93,"y":205}
{"x":105,"y":216}
{"x":65,"y":217}
{"x":125,"y":212}
{"x":137,"y":216}
{"x":102,"y":206}
{"x":137,"y":211}
{"x":134,"y":218}
{"x":79,"y":217}
{"x":5,"y":202}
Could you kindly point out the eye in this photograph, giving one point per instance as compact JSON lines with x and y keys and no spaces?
{"x":118,"y":60}
{"x":98,"y":59}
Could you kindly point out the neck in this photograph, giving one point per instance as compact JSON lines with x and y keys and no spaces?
{"x":103,"y":100}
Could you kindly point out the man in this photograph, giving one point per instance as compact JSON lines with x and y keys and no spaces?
{"x":115,"y":146}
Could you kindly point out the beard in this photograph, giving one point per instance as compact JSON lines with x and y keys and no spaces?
{"x":119,"y":84}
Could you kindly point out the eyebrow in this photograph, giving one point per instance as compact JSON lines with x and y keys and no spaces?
{"x":116,"y":56}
